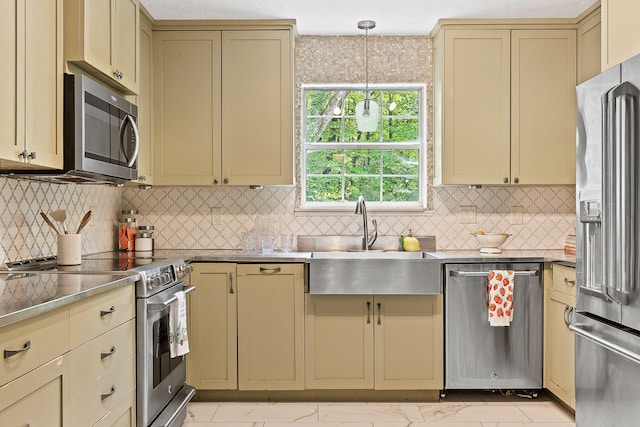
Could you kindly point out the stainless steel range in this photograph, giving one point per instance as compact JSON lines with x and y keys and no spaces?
{"x":162,"y":392}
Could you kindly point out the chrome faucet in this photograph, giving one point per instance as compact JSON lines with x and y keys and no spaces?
{"x":361,"y":209}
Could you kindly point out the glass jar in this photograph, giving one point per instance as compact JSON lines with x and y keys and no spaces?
{"x":144,"y":238}
{"x":126,"y":234}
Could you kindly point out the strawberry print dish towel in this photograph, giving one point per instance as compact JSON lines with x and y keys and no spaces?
{"x":500,"y":290}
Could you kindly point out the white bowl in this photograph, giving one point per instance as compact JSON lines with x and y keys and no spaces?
{"x":490,"y":242}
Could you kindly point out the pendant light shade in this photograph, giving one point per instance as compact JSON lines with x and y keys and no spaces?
{"x":367,"y":110}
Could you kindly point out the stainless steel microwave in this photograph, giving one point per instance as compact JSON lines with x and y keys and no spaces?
{"x":100,"y":132}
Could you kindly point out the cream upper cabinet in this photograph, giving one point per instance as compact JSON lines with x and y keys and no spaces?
{"x":102,"y":36}
{"x":620,"y":31}
{"x":223,"y":107}
{"x":543,"y":106}
{"x":31,"y":113}
{"x":257,"y":108}
{"x":559,"y":372}
{"x":391,"y":342}
{"x":504,"y":106}
{"x":270,"y":326}
{"x":145,"y":105}
{"x":472,"y":107}
{"x":213,"y":333}
{"x":186,"y":100}
{"x":589,"y":47}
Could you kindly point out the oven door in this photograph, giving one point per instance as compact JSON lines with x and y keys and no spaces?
{"x":160,"y":378}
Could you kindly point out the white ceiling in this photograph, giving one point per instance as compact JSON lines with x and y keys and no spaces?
{"x":340,"y":17}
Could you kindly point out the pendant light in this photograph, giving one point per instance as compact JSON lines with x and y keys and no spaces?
{"x":367,"y":110}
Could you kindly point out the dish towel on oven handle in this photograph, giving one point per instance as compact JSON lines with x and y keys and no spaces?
{"x":178,"y":339}
{"x":500,"y":288}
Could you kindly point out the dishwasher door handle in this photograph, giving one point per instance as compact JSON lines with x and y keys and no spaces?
{"x":455,"y":273}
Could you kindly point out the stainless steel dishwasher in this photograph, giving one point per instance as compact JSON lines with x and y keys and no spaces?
{"x":480,"y":356}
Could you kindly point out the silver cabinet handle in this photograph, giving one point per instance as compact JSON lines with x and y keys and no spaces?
{"x":106,"y":354}
{"x":379,"y":313}
{"x":569,"y":282}
{"x":621,"y":351}
{"x":111,"y":310}
{"x":111,"y":392}
{"x":368,"y":312}
{"x":25,"y":347}
{"x":215,"y":181}
{"x":455,"y":273}
{"x":225,"y":181}
{"x":270,"y":270}
{"x":230,"y":283}
{"x":516,"y":180}
{"x":505,"y":180}
{"x":567,"y":316}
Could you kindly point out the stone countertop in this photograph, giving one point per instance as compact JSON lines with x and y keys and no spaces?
{"x":27,"y":295}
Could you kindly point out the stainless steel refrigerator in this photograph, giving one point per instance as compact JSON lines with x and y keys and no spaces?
{"x":606,"y":321}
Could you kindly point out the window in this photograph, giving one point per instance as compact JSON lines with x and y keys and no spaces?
{"x":340,"y":163}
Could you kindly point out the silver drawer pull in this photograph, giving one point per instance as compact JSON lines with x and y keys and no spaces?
{"x":108,"y":353}
{"x":456,"y":273}
{"x":270,"y":270}
{"x":109,"y":311}
{"x":109,"y":393}
{"x":569,"y":282}
{"x":9,"y":353}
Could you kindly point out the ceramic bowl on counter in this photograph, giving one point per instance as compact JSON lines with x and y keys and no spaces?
{"x":490,"y":242}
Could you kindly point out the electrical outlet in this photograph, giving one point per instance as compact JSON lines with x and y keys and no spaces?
{"x":517,"y":213}
{"x":216,"y":215}
{"x":467,"y":214}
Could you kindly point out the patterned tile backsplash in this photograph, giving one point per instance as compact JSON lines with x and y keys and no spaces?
{"x":183,"y":216}
{"x":24,"y":233}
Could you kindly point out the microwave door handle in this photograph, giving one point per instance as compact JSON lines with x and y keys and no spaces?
{"x":129,"y":118}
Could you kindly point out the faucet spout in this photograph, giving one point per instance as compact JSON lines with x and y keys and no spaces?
{"x":361,"y":209}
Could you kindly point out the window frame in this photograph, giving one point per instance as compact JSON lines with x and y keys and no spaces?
{"x":420,"y":145}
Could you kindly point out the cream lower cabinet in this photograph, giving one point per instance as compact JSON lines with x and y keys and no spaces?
{"x":559,"y":340}
{"x":212,"y":363}
{"x":31,"y":84}
{"x":211,"y":126}
{"x":392,"y":342}
{"x":34,"y":399}
{"x":620,"y":31}
{"x":504,"y":105}
{"x":256,"y":310}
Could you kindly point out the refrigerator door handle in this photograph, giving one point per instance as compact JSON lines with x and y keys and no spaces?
{"x":620,"y":159}
{"x":624,"y":352}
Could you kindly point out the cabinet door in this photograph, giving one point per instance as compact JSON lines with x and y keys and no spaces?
{"x":476,"y":103}
{"x":560,"y":354}
{"x":543,"y":107}
{"x":620,"y":31}
{"x":257,"y":107}
{"x":212,"y":363}
{"x":34,"y":399}
{"x":589,"y":49}
{"x":9,"y":147}
{"x":125,"y":39}
{"x":145,"y":105}
{"x":186,"y":107}
{"x":339,"y":341}
{"x":408,"y":342}
{"x":271,"y":304}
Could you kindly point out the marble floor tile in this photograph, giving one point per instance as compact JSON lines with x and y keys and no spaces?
{"x":281,"y":412}
{"x":222,"y":424}
{"x":473,"y":413}
{"x":546,"y":412}
{"x":371,"y":413}
{"x":529,"y":424}
{"x":198,"y":412}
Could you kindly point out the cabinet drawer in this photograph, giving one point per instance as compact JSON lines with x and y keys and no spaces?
{"x":91,"y":360}
{"x":47,"y":336}
{"x":123,"y":415}
{"x":86,"y":405}
{"x":34,"y":399}
{"x":98,"y":314}
{"x":564,"y":279}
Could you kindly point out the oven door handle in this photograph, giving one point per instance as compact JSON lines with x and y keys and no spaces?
{"x":165,"y":304}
